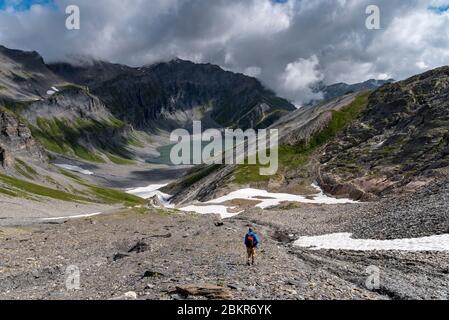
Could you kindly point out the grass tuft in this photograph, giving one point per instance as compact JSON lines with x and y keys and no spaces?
{"x":8,"y":192}
{"x":25,"y":170}
{"x":115,"y":196}
{"x":119,"y":160}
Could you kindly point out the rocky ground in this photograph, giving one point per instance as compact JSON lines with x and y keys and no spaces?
{"x":155,"y":254}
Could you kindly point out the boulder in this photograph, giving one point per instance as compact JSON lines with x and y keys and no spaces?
{"x":131,"y":295}
{"x":152,"y":274}
{"x":139,"y":247}
{"x":154,"y":202}
{"x":119,"y":256}
{"x":209,"y":291}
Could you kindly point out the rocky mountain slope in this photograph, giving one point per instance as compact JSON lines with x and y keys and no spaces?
{"x":329,"y":92}
{"x":362,"y":146}
{"x":340,"y":89}
{"x":401,"y":140}
{"x":64,"y":117}
{"x":90,"y":110}
{"x":24,"y":76}
{"x":300,"y":126}
{"x":16,"y":141}
{"x":89,"y":115}
{"x":172,"y":94}
{"x":359,"y":145}
{"x":76,"y":123}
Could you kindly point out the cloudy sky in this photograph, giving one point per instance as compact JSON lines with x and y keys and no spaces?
{"x":288,"y":44}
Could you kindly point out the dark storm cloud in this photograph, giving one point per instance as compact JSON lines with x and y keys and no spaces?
{"x":289,"y":45}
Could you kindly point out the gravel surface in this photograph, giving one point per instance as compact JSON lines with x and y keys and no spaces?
{"x":148,"y":254}
{"x":151,"y":254}
{"x":20,"y":211}
{"x":156,"y":254}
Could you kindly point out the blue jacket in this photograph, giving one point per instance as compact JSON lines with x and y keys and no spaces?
{"x":256,"y":238}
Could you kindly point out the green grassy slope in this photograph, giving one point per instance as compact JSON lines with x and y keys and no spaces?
{"x":14,"y":187}
{"x":63,"y":137}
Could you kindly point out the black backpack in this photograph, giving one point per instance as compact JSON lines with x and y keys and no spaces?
{"x":250,"y":241}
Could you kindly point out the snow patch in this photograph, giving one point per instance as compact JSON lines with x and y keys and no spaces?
{"x":212,"y":209}
{"x":75,"y":169}
{"x":269,"y":199}
{"x":52,"y":91}
{"x":80,"y":216}
{"x":344,"y":241}
{"x":151,"y":191}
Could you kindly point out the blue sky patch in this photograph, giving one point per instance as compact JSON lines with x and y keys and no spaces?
{"x":23,"y":5}
{"x":440,"y":9}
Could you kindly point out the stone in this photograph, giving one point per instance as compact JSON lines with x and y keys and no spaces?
{"x":130,"y":295}
{"x":209,"y":291}
{"x":119,"y":256}
{"x":152,"y":274}
{"x":154,"y":202}
{"x":149,"y":286}
{"x":139,"y":247}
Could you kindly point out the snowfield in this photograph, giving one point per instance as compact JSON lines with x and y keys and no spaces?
{"x":266,"y":199}
{"x":269,"y":199}
{"x":150,"y":192}
{"x":212,"y":209}
{"x":344,"y":241}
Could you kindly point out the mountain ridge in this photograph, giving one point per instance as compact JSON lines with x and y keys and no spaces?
{"x":339,"y":89}
{"x":164,"y":88}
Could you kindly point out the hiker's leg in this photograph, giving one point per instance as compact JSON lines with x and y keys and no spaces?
{"x":253,"y":255}
{"x":248,"y":252}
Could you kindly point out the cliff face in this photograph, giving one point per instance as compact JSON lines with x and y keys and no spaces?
{"x":16,"y":141}
{"x":401,"y":140}
{"x":73,"y":119}
{"x":70,"y":103}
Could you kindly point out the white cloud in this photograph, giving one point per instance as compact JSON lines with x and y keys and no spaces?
{"x":298,"y":77}
{"x":286,"y":45}
{"x":413,"y":42}
{"x":253,"y":71}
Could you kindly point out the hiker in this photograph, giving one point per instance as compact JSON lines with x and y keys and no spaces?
{"x":251,"y":243}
